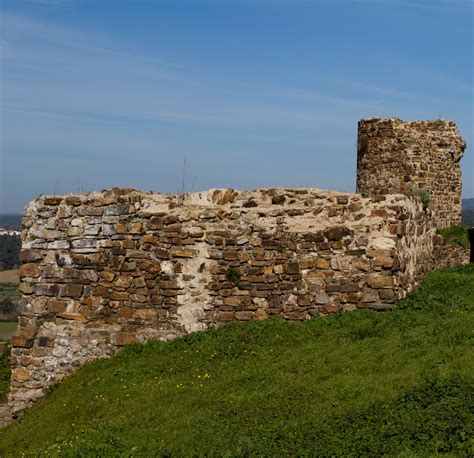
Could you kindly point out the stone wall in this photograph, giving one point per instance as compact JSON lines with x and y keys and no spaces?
{"x":449,"y":255}
{"x":107,"y":269}
{"x":394,"y":156}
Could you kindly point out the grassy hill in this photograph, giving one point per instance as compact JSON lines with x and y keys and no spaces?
{"x":358,"y":384}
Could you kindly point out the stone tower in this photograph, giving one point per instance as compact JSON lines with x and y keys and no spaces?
{"x":394,"y":156}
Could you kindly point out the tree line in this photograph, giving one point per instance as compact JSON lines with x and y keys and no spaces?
{"x":10,"y":246}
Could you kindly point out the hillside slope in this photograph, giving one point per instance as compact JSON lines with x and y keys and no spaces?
{"x":361,"y":383}
{"x":468,"y":204}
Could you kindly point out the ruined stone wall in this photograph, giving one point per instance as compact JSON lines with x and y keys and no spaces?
{"x":106,"y":269}
{"x":394,"y":156}
{"x":448,"y":255}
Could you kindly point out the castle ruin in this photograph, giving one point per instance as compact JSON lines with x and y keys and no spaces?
{"x":110,"y":268}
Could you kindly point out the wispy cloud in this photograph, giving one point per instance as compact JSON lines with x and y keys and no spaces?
{"x":444,"y":5}
{"x":75,"y":97}
{"x":81,"y":79}
{"x":50,"y":2}
{"x":54,"y":71}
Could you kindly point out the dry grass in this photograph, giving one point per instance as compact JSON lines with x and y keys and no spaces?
{"x":9,"y":276}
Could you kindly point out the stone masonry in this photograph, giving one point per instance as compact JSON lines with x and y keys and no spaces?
{"x":395,"y":157}
{"x":111,"y":268}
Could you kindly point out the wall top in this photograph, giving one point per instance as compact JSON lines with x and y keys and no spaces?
{"x":154,"y":202}
{"x":425,"y":126}
{"x":292,"y":209}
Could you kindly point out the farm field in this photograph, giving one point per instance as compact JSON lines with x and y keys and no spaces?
{"x":9,"y":276}
{"x":356,"y":384}
{"x":9,"y":296}
{"x":7,"y":328}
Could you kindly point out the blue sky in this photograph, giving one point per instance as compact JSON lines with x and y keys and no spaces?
{"x":257,"y":93}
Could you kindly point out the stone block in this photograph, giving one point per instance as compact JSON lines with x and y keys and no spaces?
{"x":370,"y":296}
{"x":182,"y":252}
{"x":321,"y":263}
{"x":244,"y":315}
{"x":23,"y":338}
{"x":30,"y":255}
{"x":121,"y":228}
{"x":25,"y":288}
{"x":52,"y":200}
{"x":144,"y":314}
{"x":224,"y":315}
{"x":136,"y":228}
{"x":71,"y":316}
{"x":321,"y":297}
{"x":56,"y":305}
{"x":30,"y":270}
{"x":260,"y":314}
{"x":161,"y":253}
{"x":149,"y":266}
{"x":71,"y":290}
{"x":128,"y":244}
{"x":233,"y":301}
{"x":330,"y":308}
{"x":73,"y":200}
{"x":292,"y":268}
{"x":107,"y":275}
{"x":169,"y":284}
{"x":123,"y":281}
{"x":337,"y":233}
{"x":380,"y":281}
{"x":20,"y":374}
{"x":297,"y":315}
{"x":119,"y":296}
{"x":122,"y":338}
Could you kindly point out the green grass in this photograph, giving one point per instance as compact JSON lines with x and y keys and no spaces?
{"x":398,"y":383}
{"x":9,"y":291}
{"x":5,"y":373}
{"x":423,"y":195}
{"x":7,"y":328}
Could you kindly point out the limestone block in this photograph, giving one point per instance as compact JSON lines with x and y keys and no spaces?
{"x":23,"y":338}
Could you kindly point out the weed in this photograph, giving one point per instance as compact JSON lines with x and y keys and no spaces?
{"x":422,"y":194}
{"x":233,"y":275}
{"x":281,"y":248}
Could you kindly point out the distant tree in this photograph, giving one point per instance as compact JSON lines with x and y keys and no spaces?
{"x":10,"y":246}
{"x":7,"y":306}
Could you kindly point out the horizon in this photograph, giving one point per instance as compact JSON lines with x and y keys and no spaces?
{"x":253,"y":94}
